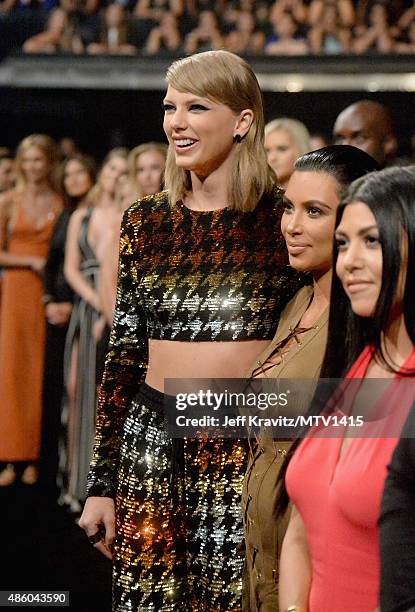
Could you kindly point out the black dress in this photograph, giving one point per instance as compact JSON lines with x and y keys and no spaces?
{"x":397,"y":526}
{"x":56,"y":290}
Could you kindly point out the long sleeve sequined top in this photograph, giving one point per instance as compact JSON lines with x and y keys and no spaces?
{"x":191,"y":276}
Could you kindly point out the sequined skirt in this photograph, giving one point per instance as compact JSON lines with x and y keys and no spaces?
{"x":149,"y":553}
{"x":178,"y":517}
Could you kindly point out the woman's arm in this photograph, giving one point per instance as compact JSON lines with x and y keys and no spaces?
{"x":73,"y":261}
{"x":315,"y":39}
{"x":295,"y":565}
{"x":406,"y":19}
{"x":154,"y":41}
{"x":108,"y":280}
{"x":11,"y":260}
{"x":126,"y":362}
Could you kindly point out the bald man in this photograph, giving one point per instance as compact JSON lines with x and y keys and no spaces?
{"x":367,"y":125}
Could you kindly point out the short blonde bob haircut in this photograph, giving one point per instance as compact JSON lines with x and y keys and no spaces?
{"x":47,"y":146}
{"x":297,"y":130}
{"x":225,"y":78}
{"x":135,"y":154}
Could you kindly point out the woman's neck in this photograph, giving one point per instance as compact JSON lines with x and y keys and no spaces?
{"x":210,"y":192}
{"x":38,"y":188}
{"x":397,"y":343}
{"x":106,"y":200}
{"x":322,"y":288}
{"x":320,"y":300}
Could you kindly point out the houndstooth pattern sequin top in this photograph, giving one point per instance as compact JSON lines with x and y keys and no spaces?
{"x":186,"y":275}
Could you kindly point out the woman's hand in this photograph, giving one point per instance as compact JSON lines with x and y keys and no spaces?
{"x":98,"y":328}
{"x":58,"y":313}
{"x":99,"y":515}
{"x":37,"y":264}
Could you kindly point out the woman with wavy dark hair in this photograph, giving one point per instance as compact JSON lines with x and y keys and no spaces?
{"x":320,"y":179}
{"x":330,"y":557}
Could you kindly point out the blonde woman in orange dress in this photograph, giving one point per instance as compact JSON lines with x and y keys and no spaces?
{"x":27,"y":216}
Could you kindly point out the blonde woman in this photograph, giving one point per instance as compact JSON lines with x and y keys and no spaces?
{"x":87,"y":238}
{"x":203,"y":275}
{"x":27,"y":216}
{"x":146,"y":165}
{"x":285,"y":141}
{"x":126,"y":194}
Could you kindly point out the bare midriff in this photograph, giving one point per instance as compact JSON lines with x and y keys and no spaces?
{"x":173,"y":359}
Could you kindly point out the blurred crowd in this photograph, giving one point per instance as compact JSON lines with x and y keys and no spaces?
{"x":152,"y":27}
{"x":59,"y":235}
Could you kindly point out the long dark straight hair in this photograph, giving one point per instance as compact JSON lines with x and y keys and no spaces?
{"x":88,"y":163}
{"x":390,"y":195}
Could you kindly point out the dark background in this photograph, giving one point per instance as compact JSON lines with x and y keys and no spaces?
{"x":101,"y":119}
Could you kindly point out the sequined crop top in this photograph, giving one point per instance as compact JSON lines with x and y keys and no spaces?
{"x":191,"y":276}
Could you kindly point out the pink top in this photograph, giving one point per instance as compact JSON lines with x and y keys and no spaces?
{"x":339,"y":502}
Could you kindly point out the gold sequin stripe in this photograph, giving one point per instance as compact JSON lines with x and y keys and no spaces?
{"x":150,"y":563}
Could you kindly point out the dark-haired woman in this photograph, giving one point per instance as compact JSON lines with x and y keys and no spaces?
{"x":330,"y":556}
{"x":311,"y":199}
{"x":77,"y":178}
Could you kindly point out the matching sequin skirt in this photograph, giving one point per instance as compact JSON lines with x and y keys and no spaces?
{"x":178,"y":517}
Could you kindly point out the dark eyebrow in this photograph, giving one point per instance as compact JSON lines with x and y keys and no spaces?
{"x":313,"y":202}
{"x":360,"y":233}
{"x":309,"y":203}
{"x":196,"y":99}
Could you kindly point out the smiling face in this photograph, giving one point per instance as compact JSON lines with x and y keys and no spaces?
{"x":282,"y":153}
{"x":199,"y":131}
{"x":149,"y":171}
{"x":310,"y":205}
{"x":35,"y":165}
{"x":77,"y":180}
{"x":359,"y":261}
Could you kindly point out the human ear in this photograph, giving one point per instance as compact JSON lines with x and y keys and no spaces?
{"x":390,"y":146}
{"x":243,"y":123}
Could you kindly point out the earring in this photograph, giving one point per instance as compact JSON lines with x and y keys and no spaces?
{"x":237,"y":138}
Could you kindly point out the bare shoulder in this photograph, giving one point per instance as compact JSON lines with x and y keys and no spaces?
{"x":76,"y":219}
{"x":7,"y":201}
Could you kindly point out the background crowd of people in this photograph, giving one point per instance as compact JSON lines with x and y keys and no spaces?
{"x":152,"y":27}
{"x":60,"y":224}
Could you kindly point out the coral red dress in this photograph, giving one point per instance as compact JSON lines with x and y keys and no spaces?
{"x":22,"y":339}
{"x":339,"y":501}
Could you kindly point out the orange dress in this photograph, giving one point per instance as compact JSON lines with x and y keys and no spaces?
{"x":22,"y":339}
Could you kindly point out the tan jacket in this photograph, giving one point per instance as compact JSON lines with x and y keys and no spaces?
{"x":263,"y":535}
